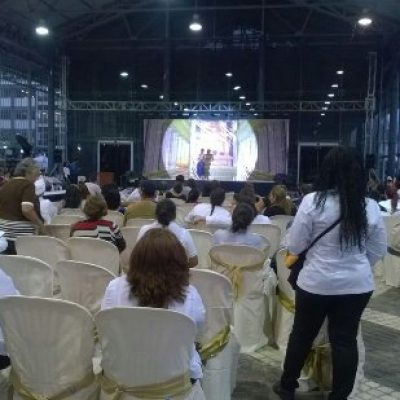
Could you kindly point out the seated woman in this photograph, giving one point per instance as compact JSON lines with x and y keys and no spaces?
{"x":158,"y":277}
{"x":193,"y":196}
{"x":95,"y":226}
{"x":166,"y":214}
{"x":211,"y":213}
{"x":251,"y":200}
{"x":279,"y":204}
{"x":242,"y":217}
{"x":73,"y":201}
{"x":176,"y":192}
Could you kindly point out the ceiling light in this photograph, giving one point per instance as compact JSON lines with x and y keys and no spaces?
{"x":195,"y":25}
{"x":161,"y":97}
{"x":123,"y":74}
{"x":255,"y":114}
{"x":176,"y":103}
{"x":229,"y":74}
{"x":42,"y":30}
{"x":327,"y":102}
{"x":334,"y":85}
{"x":242,"y":97}
{"x":340,"y":72}
{"x":248,"y":104}
{"x":325,"y":108}
{"x":322,"y":114}
{"x":185,"y":109}
{"x":237,"y":88}
{"x":252,"y":109}
{"x":144,"y":86}
{"x":365,"y":21}
{"x":331,"y":95}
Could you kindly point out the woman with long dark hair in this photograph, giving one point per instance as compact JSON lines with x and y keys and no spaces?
{"x":337,"y":280}
{"x":158,"y":277}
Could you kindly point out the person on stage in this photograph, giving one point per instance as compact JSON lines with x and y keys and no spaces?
{"x":200,"y":164}
{"x":208,"y":159}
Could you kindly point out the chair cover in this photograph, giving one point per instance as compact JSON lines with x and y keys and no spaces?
{"x":203,"y":242}
{"x":391,"y":268}
{"x":138,"y":221}
{"x":83,"y":283}
{"x":31,"y":277}
{"x":66,"y":219}
{"x":130,"y":234}
{"x":59,"y":231}
{"x":51,"y":345}
{"x":139,"y":350}
{"x":244,"y":266}
{"x":271,"y":232}
{"x":95,"y":251}
{"x":219,"y":371}
{"x":5,"y":386}
{"x":282,"y":221}
{"x":115,"y":216}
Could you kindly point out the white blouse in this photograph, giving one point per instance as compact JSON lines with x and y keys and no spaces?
{"x":220,"y":216}
{"x":118,"y":294}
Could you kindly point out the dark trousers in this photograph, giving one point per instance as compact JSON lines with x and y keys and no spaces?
{"x":344,"y":314}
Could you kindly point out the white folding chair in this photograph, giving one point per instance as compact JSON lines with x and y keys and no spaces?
{"x":391,"y":268}
{"x":31,"y":276}
{"x":244,"y":266}
{"x":271,"y":232}
{"x":51,"y":345}
{"x":139,"y":221}
{"x":83,"y":283}
{"x":115,"y":216}
{"x":130,"y":234}
{"x":94,"y":251}
{"x":282,"y":221}
{"x":136,"y":356}
{"x":203,"y":242}
{"x":66,"y":219}
{"x":220,"y":369}
{"x":59,"y":231}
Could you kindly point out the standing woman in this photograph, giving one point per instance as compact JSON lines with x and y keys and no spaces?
{"x":337,"y":280}
{"x":19,"y":205}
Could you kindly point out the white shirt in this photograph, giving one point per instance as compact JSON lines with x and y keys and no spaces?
{"x":134,"y":196}
{"x":261,"y":220}
{"x":330,"y":269}
{"x":225,"y":236}
{"x":220,"y":216}
{"x":184,"y":237}
{"x":93,"y":188}
{"x":47,"y":210}
{"x":7,"y":288}
{"x":118,"y":293}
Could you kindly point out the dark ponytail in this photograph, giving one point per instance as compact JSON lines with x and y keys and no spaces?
{"x":242,"y":217}
{"x":165,"y":212}
{"x":217,"y":197}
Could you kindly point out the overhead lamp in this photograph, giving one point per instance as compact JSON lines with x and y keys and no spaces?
{"x":242,"y":97}
{"x":237,"y":87}
{"x":144,"y":86}
{"x":176,"y":103}
{"x":365,"y":21}
{"x":186,"y":109}
{"x":248,"y":104}
{"x":79,"y":147}
{"x":324,"y":108}
{"x":255,"y":114}
{"x":327,"y":102}
{"x":322,"y":114}
{"x":42,"y":29}
{"x":339,"y":72}
{"x":331,"y":95}
{"x":161,"y":97}
{"x":252,"y":109}
{"x":334,"y":85}
{"x":195,"y":25}
{"x":229,"y":74}
{"x":124,"y":74}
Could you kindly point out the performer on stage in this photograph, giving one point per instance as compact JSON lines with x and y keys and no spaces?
{"x":208,"y":159}
{"x":200,"y":165}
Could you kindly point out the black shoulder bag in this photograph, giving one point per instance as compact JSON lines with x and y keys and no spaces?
{"x":297,"y":266}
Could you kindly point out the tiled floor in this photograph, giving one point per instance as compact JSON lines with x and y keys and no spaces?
{"x":381,"y":333}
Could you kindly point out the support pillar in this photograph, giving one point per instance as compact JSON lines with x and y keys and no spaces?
{"x":261,"y":62}
{"x":394,"y":122}
{"x":167,"y":57}
{"x":50,"y":111}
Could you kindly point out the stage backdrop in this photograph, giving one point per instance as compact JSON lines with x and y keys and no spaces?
{"x":236,"y":147}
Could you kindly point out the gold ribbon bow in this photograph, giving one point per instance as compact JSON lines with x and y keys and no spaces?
{"x":162,"y":390}
{"x":286,"y":302}
{"x":75,"y":387}
{"x":316,"y":365}
{"x":215,"y":345}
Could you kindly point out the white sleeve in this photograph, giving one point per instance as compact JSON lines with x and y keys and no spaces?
{"x":190,"y":216}
{"x":142,"y":231}
{"x":189,"y":244}
{"x":218,"y":220}
{"x":109,"y":296}
{"x":376,"y":242}
{"x":197,"y":311}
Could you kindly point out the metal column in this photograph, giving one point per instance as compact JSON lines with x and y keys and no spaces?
{"x":167,"y":57}
{"x":394,"y":121}
{"x":261,"y":63}
{"x":369,"y":115}
{"x":50,"y":110}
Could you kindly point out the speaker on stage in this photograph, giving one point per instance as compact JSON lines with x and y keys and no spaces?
{"x":370,"y":161}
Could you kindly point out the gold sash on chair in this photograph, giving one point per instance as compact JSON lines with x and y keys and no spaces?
{"x":180,"y":385}
{"x":234,"y":273}
{"x":75,"y":387}
{"x":215,"y":345}
{"x":286,"y":302}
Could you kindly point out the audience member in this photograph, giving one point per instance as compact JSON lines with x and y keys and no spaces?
{"x":185,"y":188}
{"x":73,"y":201}
{"x":19,"y":205}
{"x":158,"y":277}
{"x":193,"y":196}
{"x":166,"y":215}
{"x":111,"y":196}
{"x":250,"y":199}
{"x":176,"y":192}
{"x":48,"y":209}
{"x":95,"y":226}
{"x":336,"y":281}
{"x":390,"y":187}
{"x":278,"y":203}
{"x":209,"y":187}
{"x":92,"y":185}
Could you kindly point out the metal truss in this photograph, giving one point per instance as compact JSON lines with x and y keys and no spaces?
{"x":191,"y":108}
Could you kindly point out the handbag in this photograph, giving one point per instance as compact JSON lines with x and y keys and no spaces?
{"x":298,"y":264}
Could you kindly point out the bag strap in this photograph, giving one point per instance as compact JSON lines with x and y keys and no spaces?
{"x":322,"y":234}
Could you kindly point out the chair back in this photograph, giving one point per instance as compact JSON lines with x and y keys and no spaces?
{"x":66,"y":219}
{"x":48,"y":249}
{"x":266,"y":245}
{"x":137,"y":349}
{"x":271,"y":232}
{"x":390,"y":221}
{"x":139,"y":221}
{"x":114,"y":216}
{"x":181,"y":212}
{"x":31,"y":276}
{"x":130,"y":234}
{"x":59,"y":231}
{"x":283,"y":274}
{"x":282,"y":221}
{"x":94,"y":251}
{"x":203,"y":242}
{"x":51,"y":345}
{"x":83,"y":283}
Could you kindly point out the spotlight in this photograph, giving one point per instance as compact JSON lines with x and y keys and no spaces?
{"x":161,"y":97}
{"x":322,"y":114}
{"x":237,"y":87}
{"x":123,"y":74}
{"x":340,"y":72}
{"x":325,"y":108}
{"x":331,"y":95}
{"x":229,"y":74}
{"x":327,"y":102}
{"x":195,"y":25}
{"x":144,"y":86}
{"x":365,"y":21}
{"x":21,"y":151}
{"x":42,"y":29}
{"x":242,"y":97}
{"x":248,"y":104}
{"x":79,"y":148}
{"x":334,"y":85}
{"x":255,"y":114}
{"x":176,"y":103}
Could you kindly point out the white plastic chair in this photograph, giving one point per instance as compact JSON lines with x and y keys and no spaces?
{"x":245,"y":265}
{"x":59,"y":231}
{"x":271,"y":232}
{"x":51,"y":345}
{"x":31,"y":276}
{"x":66,"y":219}
{"x":114,"y":216}
{"x":83,"y":283}
{"x":139,"y":221}
{"x":391,"y":268}
{"x":130,"y":234}
{"x":282,"y":221}
{"x":94,"y":251}
{"x":136,"y":354}
{"x":203,"y":242}
{"x":219,"y":378}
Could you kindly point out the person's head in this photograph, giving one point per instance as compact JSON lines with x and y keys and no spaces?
{"x":278,"y":197}
{"x":180,"y":178}
{"x":191,"y":183}
{"x":95,"y":208}
{"x":193,"y":196}
{"x":242,"y":217}
{"x":389,"y":180}
{"x":201,"y":151}
{"x":72,"y":197}
{"x":147,"y":189}
{"x":217,"y":197}
{"x":342,"y":172}
{"x":165,"y":212}
{"x":249,"y":200}
{"x":305,"y":188}
{"x":158,"y":269}
{"x":93,"y":177}
{"x":112,"y":196}
{"x":27,"y":168}
{"x":178,"y":187}
{"x":208,"y":151}
{"x":209,"y":187}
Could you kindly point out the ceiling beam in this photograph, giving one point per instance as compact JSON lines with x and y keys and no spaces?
{"x":55,"y":10}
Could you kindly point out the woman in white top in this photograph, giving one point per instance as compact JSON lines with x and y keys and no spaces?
{"x":337,"y":280}
{"x":242,"y":217}
{"x":166,"y":215}
{"x":158,"y":277}
{"x":212,"y":213}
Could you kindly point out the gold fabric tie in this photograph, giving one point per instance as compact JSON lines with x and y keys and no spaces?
{"x":215,"y":345}
{"x":162,"y":390}
{"x":286,"y":302}
{"x":317,"y":365}
{"x":234,"y":273}
{"x":75,"y":387}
